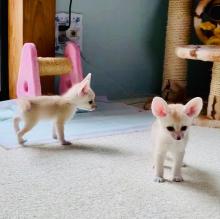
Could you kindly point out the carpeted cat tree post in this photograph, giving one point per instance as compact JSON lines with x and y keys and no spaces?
{"x":178,"y":33}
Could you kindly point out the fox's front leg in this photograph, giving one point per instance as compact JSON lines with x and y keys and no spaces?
{"x":158,"y":166}
{"x":54,"y":132}
{"x":60,"y":133}
{"x":178,"y":161}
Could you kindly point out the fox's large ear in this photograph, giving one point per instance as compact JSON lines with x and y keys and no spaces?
{"x":159,"y":107}
{"x":194,"y":107}
{"x":84,"y":85}
{"x":88,"y":78}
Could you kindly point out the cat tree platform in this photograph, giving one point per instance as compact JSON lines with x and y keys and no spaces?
{"x":209,"y":53}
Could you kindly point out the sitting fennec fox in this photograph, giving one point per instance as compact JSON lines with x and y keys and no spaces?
{"x":170,"y":133}
{"x":57,"y":108}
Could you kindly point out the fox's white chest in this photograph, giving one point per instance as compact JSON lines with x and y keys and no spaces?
{"x":168,"y":144}
{"x":175,"y":146}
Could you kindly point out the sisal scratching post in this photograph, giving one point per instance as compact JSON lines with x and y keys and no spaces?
{"x":178,"y":33}
{"x":213,"y":110}
{"x":54,"y":66}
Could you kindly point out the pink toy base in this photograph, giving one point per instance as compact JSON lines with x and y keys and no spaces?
{"x":72,"y":51}
{"x":28,"y":83}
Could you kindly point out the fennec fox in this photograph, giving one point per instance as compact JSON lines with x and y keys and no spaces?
{"x":170,"y":133}
{"x":57,"y":108}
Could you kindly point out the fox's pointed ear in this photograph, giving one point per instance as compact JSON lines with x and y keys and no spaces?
{"x":84,"y":86}
{"x":194,"y":107}
{"x":88,"y":78}
{"x":159,"y":107}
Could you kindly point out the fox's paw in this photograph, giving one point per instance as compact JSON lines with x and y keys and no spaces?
{"x":66,"y":142}
{"x":54,"y":136}
{"x":159,"y":179}
{"x":184,"y":165}
{"x":177,"y":179}
{"x":22,"y":141}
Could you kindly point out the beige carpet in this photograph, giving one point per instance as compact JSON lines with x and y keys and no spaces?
{"x":109,"y":178}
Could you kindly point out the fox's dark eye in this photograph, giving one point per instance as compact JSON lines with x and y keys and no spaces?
{"x":170,"y":128}
{"x":183,"y":128}
{"x":90,"y":102}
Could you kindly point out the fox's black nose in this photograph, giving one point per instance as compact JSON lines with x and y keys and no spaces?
{"x":178,"y":138}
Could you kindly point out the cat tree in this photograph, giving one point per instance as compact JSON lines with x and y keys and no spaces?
{"x":208,"y":31}
{"x":175,"y":64}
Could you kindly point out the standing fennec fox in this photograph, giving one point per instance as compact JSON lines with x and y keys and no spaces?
{"x":57,"y":108}
{"x":170,"y":133}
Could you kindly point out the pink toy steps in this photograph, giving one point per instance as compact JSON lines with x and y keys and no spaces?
{"x":28,"y":83}
{"x":72,"y":52}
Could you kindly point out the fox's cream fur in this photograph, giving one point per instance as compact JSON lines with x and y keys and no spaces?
{"x":57,"y":108}
{"x":170,"y":133}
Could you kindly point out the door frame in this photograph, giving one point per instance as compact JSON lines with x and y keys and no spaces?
{"x":4,"y":50}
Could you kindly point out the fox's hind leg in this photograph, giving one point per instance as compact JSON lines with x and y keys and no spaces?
{"x":28,"y":125}
{"x":168,"y":158}
{"x":16,"y":122}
